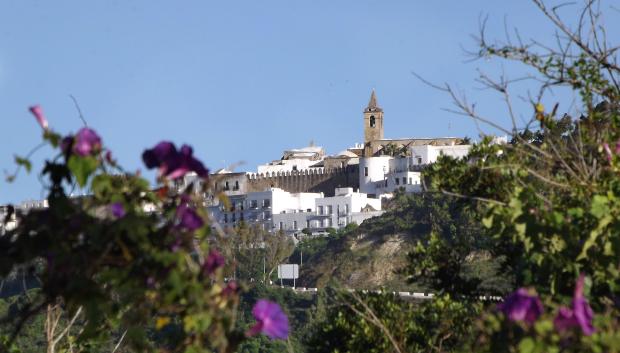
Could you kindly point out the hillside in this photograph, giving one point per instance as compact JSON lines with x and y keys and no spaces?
{"x":371,"y":255}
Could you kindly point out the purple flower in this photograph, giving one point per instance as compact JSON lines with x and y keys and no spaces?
{"x":172,"y":163}
{"x":86,"y":142}
{"x":578,"y":315}
{"x":66,"y":145}
{"x":188,"y":218}
{"x":270,"y":320}
{"x":162,"y":154}
{"x":38,"y":114}
{"x":522,"y":306}
{"x":214,"y":261}
{"x":117,"y":210}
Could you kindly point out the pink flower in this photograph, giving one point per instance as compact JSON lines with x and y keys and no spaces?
{"x":607,"y":151}
{"x":37,"y":111}
{"x":231,"y":288}
{"x":270,"y":320}
{"x":86,"y":142}
{"x":214,"y":261}
{"x":579,"y":315}
{"x":522,"y":306}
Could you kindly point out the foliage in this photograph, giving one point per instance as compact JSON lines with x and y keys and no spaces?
{"x":123,"y":259}
{"x":298,"y":306}
{"x":357,"y":322}
{"x":453,"y":253}
{"x":254,"y":250}
{"x":549,"y":198}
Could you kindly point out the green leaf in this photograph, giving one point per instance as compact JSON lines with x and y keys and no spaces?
{"x":487,"y":221}
{"x":82,"y":168}
{"x":600,"y":206}
{"x":594,"y":234}
{"x":527,"y":345}
{"x":24,"y":162}
{"x":52,"y":137}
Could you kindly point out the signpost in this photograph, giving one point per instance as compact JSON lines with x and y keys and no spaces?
{"x":288,"y":271}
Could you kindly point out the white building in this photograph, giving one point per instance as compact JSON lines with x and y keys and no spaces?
{"x":294,"y":159}
{"x":344,"y":208}
{"x":385,"y":174}
{"x":382,"y":175}
{"x":259,"y":208}
{"x":427,"y":154}
{"x":277,"y":210}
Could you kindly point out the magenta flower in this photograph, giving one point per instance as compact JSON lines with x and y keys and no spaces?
{"x":214,"y":261}
{"x":172,"y":163}
{"x":522,"y":306}
{"x":579,"y":315}
{"x":188,"y":218}
{"x":270,"y":320}
{"x":117,"y":209}
{"x":86,"y":142}
{"x":37,"y":111}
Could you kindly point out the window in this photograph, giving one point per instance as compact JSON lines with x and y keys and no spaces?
{"x":320,"y":210}
{"x":365,"y":171}
{"x":295,"y":225}
{"x":329,"y":222}
{"x":330,"y":210}
{"x":346,"y":209}
{"x":225,"y":218}
{"x":410,"y":182}
{"x":386,"y":183}
{"x":373,"y":121}
{"x":308,"y":224}
{"x":404,"y":180}
{"x":266,"y":215}
{"x":266,"y":203}
{"x":294,"y":167}
{"x":419,"y":160}
{"x":324,"y":223}
{"x":397,"y":181}
{"x":236,"y":187}
{"x":254,"y":204}
{"x":226,"y":186}
{"x":281,"y":225}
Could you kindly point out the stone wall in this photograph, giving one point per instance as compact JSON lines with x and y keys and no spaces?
{"x":308,"y":180}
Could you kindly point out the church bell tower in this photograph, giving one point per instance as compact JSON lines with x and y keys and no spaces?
{"x":373,"y":120}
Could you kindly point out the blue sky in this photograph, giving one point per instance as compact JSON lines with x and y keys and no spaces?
{"x":241,"y":80}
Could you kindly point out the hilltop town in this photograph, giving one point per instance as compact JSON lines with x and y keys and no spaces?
{"x":312,"y":191}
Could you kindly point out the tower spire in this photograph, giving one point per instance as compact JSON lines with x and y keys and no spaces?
{"x":372,"y":104}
